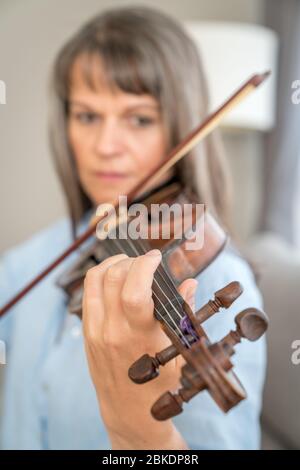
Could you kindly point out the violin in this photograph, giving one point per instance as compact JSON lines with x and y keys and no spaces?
{"x":207,"y":366}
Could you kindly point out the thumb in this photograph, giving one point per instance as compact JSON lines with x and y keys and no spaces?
{"x":187,"y":290}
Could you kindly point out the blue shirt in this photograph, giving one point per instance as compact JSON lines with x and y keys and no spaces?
{"x":49,"y":401}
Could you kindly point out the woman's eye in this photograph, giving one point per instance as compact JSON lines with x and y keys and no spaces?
{"x":141,"y":121}
{"x":86,"y":117}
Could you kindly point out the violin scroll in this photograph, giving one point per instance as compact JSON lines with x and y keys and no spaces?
{"x":147,"y":367}
{"x":208,"y":365}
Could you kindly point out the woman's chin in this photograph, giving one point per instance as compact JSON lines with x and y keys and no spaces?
{"x":105,"y":198}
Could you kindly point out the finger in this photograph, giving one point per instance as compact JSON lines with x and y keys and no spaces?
{"x":93,"y":302}
{"x":113,"y":282}
{"x":187,"y":290}
{"x":136,"y":295}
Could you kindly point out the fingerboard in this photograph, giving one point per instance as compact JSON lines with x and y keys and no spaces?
{"x":168,"y":303}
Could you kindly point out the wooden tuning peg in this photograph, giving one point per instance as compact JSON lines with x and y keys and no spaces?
{"x":147,"y":367}
{"x":251,"y":324}
{"x":223,"y":299}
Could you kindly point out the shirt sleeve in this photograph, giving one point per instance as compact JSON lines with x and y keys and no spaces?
{"x":203,"y":424}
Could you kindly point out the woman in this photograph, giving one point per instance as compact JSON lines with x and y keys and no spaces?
{"x":127,"y":87}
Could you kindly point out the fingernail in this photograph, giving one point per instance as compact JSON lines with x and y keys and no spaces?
{"x":154,"y":253}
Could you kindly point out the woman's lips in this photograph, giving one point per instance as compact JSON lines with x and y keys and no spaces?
{"x":111,"y":175}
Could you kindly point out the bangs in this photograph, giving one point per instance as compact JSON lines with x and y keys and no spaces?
{"x":116,"y":64}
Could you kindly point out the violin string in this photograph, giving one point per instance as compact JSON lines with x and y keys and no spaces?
{"x":117,"y":242}
{"x":132,"y":246}
{"x":170,"y":285}
{"x":142,"y":250}
{"x":165,"y":276}
{"x":175,"y":294}
{"x":164,"y":320}
{"x":159,"y":277}
{"x":160,"y":272}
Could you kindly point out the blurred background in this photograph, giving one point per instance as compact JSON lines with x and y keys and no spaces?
{"x":236,"y":38}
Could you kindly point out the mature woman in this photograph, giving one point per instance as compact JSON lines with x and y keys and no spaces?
{"x":126,"y":88}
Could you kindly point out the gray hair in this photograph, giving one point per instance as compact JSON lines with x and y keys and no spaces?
{"x":144,"y":51}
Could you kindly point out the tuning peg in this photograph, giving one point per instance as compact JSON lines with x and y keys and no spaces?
{"x":147,"y":367}
{"x":171,"y":404}
{"x":251,"y":324}
{"x":223,"y":299}
{"x":167,"y":406}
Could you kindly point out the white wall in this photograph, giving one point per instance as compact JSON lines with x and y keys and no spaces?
{"x":31,"y":32}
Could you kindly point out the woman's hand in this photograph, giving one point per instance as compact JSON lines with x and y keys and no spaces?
{"x":119,"y":327}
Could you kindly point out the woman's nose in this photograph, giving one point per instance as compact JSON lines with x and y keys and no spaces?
{"x":108,"y":141}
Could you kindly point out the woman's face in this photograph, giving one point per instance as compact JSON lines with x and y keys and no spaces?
{"x":116,"y":138}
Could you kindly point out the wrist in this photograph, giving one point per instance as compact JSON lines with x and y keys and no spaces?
{"x":162,"y":436}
